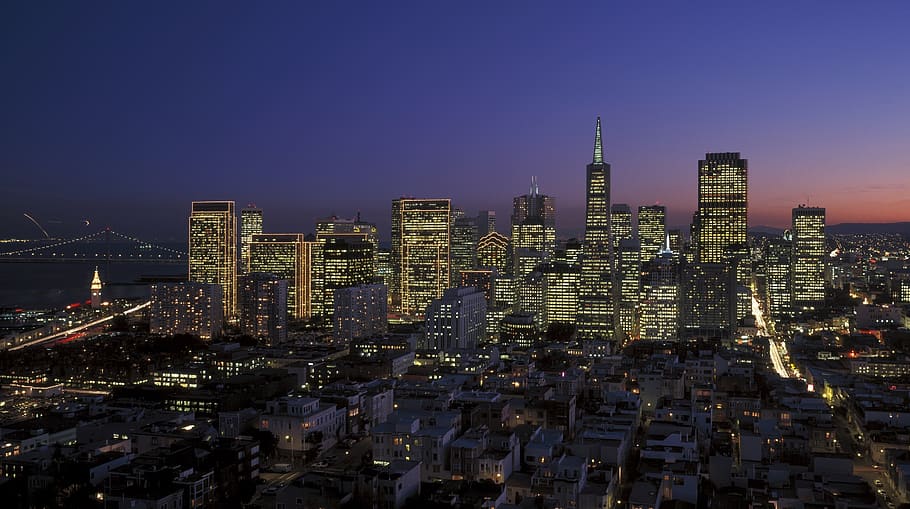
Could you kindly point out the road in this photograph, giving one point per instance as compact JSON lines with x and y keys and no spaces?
{"x":79,"y":328}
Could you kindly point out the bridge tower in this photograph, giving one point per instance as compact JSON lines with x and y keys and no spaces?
{"x":96,"y":290}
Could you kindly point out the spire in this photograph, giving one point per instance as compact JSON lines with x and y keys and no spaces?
{"x":96,"y":279}
{"x":534,"y":189}
{"x":598,"y":145}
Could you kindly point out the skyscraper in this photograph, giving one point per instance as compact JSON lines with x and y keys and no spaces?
{"x":186,"y":308}
{"x":250,"y":224}
{"x":213,"y":249}
{"x":652,"y":230}
{"x":263,"y":306}
{"x":777,"y":259}
{"x":493,"y":250}
{"x":595,"y":313}
{"x":352,"y":229}
{"x":287,"y":256}
{"x":486,"y":222}
{"x":808,"y":259}
{"x":534,"y":222}
{"x":628,"y":278}
{"x":722,"y":206}
{"x":464,"y":246}
{"x":660,"y":297}
{"x":346,"y":261}
{"x":360,"y":311}
{"x":620,"y":224}
{"x":421,"y":246}
{"x":456,"y":320}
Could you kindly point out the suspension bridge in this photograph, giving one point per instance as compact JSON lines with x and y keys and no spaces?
{"x":104,"y":246}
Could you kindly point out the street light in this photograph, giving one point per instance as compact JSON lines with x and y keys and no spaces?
{"x":290,"y":441}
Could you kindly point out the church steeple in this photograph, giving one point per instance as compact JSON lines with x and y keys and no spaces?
{"x":598,"y":144}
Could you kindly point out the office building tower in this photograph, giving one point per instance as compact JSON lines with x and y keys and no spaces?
{"x":482,"y":279}
{"x":360,"y":312}
{"x":776,"y":260}
{"x":351,"y":229}
{"x":288,"y":256}
{"x":560,"y":291}
{"x":519,"y":330}
{"x":96,"y":290}
{"x":595,"y":313}
{"x":652,"y":230}
{"x":457,"y":320}
{"x":420,"y":252}
{"x":628,"y":278}
{"x":346,"y":261}
{"x":486,"y":222}
{"x":384,"y":266}
{"x":676,"y":241}
{"x":709,"y":301}
{"x":250,"y":224}
{"x":494,"y":250}
{"x":213,"y":249}
{"x":263,"y":306}
{"x":186,"y":308}
{"x":722,"y":206}
{"x":534,"y":222}
{"x":620,"y":224}
{"x":660,"y":297}
{"x":571,"y":253}
{"x":531,"y":285}
{"x":464,"y":246}
{"x":808,"y":260}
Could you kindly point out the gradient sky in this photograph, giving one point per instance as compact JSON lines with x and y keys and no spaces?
{"x":124,"y":112}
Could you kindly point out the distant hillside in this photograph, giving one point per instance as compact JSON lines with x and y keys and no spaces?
{"x":849,"y":228}
{"x":765,"y":230}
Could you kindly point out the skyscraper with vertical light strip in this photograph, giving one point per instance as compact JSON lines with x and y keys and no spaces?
{"x":213,"y":249}
{"x":421,"y":244}
{"x":595,"y":304}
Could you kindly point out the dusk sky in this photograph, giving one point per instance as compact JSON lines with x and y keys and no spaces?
{"x":122,"y":113}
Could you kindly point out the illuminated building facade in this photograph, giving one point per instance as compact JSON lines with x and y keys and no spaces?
{"x":629,"y":292}
{"x":709,"y":309}
{"x":263,"y":306}
{"x":250,"y":224}
{"x":537,"y":209}
{"x":482,"y":279}
{"x":660,"y":298}
{"x":493,"y":250}
{"x":420,"y":252}
{"x":360,"y":312}
{"x":652,"y":230}
{"x":457,"y":320}
{"x":777,"y":259}
{"x":464,"y":246}
{"x":288,"y":256}
{"x":595,"y":313}
{"x":560,"y":290}
{"x":346,"y":262}
{"x":213,"y":249}
{"x":620,"y":224}
{"x":519,"y":330}
{"x":96,"y":290}
{"x":186,"y":308}
{"x":722,"y":206}
{"x":808,"y":259}
{"x":351,"y":229}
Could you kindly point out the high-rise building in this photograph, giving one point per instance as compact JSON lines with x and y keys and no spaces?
{"x":360,"y":312}
{"x":560,"y":289}
{"x":535,"y":206}
{"x":709,"y":301}
{"x":421,"y":246}
{"x":384,"y":266}
{"x":620,"y":224}
{"x":676,"y":241}
{"x":808,"y":258}
{"x":628,"y":279}
{"x":213,"y":249}
{"x":595,"y":313}
{"x":250,"y":224}
{"x":186,"y":308}
{"x":493,"y":250}
{"x":777,"y":260}
{"x":722,"y":206}
{"x":263,"y":306}
{"x":464,"y":246}
{"x":533,"y":227}
{"x":482,"y":279}
{"x":519,"y":330}
{"x":486,"y":222}
{"x":288,"y":256}
{"x":96,"y":290}
{"x":346,"y":261}
{"x":457,"y":320}
{"x":652,"y":230}
{"x":351,"y":229}
{"x":660,"y":297}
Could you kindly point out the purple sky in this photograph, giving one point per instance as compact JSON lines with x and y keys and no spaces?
{"x":124,"y":112}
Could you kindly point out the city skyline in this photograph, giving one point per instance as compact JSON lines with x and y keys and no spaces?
{"x":182,"y":117}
